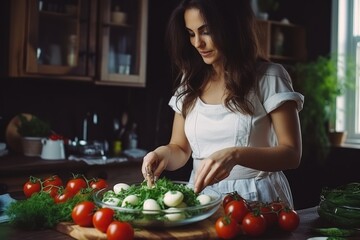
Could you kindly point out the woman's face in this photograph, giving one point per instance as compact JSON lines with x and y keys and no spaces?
{"x":200,"y":36}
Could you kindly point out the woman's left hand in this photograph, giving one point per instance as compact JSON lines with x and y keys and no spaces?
{"x":214,"y":168}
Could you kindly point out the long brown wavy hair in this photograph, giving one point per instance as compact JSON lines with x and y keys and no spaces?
{"x":233,"y":30}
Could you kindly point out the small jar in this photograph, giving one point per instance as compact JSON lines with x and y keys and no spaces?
{"x":117,"y":147}
{"x":118,"y":16}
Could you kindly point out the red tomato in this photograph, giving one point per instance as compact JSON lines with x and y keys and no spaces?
{"x":63,"y":196}
{"x":82,"y":213}
{"x":52,"y":190}
{"x":237,"y":209}
{"x":76,"y":184}
{"x":277,"y":206}
{"x":102,"y":219}
{"x":98,"y":183}
{"x":226,"y":227}
{"x":55,"y":137}
{"x":288,"y":219}
{"x":271,"y":217}
{"x":120,"y":230}
{"x":229,"y":197}
{"x":254,"y":224}
{"x":54,"y":180}
{"x":32,"y":186}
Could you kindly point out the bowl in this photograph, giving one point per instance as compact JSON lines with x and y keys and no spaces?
{"x":168,"y":217}
{"x":341,"y":206}
{"x":339,"y":215}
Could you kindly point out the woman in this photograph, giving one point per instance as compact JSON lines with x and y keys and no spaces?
{"x":236,"y":114}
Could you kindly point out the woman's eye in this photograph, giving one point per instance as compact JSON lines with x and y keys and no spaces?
{"x":191,"y":34}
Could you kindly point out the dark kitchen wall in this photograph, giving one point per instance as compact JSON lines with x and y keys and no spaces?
{"x":315,"y":16}
{"x":65,"y":104}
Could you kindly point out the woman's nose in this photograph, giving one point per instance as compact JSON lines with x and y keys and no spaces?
{"x":198,"y":42}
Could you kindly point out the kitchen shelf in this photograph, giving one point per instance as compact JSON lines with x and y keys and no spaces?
{"x":282,"y":42}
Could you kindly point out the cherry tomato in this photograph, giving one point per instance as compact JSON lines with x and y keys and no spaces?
{"x":63,"y":196}
{"x":288,"y":219}
{"x":98,"y":184}
{"x":254,"y":224}
{"x":55,"y":137}
{"x":102,"y":219}
{"x":226,"y":227}
{"x":120,"y":230}
{"x":76,"y":184}
{"x":277,"y":206}
{"x":237,"y":209}
{"x":54,"y":180}
{"x":52,"y":190}
{"x":82,"y":213}
{"x":229,"y":197}
{"x":271,"y":217}
{"x":32,"y":186}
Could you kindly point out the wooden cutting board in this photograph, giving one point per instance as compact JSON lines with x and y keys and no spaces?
{"x":201,"y":230}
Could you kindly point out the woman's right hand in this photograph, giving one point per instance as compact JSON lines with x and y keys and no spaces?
{"x":155,"y":163}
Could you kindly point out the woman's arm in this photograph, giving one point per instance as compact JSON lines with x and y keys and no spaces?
{"x":173,"y":155}
{"x":286,"y":155}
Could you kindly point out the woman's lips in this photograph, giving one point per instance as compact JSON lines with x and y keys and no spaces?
{"x":205,"y":53}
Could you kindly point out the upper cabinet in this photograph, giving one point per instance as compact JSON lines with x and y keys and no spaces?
{"x":87,"y":40}
{"x":282,"y":42}
{"x":123,"y":31}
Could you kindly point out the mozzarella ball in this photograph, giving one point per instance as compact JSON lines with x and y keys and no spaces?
{"x":203,"y":199}
{"x":173,"y":214}
{"x":131,"y":199}
{"x":173,"y":198}
{"x":120,"y":186}
{"x":181,"y":205}
{"x":150,"y":206}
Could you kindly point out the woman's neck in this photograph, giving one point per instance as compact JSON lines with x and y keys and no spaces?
{"x":214,"y":91}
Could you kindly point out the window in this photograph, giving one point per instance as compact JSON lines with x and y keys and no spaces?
{"x":346,"y":42}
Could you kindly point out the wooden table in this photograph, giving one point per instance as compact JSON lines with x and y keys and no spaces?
{"x":308,"y":220}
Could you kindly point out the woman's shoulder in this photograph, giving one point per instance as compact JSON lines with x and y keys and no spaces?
{"x":271,"y":69}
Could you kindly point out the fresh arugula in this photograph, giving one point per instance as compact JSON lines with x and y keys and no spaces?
{"x":143,"y":192}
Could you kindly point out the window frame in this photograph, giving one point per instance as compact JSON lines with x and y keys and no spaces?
{"x":347,"y":46}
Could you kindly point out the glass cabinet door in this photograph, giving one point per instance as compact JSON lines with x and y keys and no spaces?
{"x":123,"y":32}
{"x":58,"y":38}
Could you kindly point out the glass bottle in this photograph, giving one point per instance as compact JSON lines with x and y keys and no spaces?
{"x":133,"y":137}
{"x":72,"y":53}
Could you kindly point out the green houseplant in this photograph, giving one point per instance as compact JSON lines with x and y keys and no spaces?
{"x":33,"y":126}
{"x":321,"y":81}
{"x":32,"y":129}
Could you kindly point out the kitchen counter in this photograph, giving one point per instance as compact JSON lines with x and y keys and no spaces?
{"x":15,"y":170}
{"x":308,"y":220}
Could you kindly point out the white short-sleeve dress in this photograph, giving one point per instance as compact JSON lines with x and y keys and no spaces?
{"x":210,"y":128}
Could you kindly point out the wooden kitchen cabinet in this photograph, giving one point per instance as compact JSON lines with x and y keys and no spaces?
{"x":52,"y":39}
{"x":79,"y":40}
{"x":282,"y":42}
{"x":123,"y":42}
